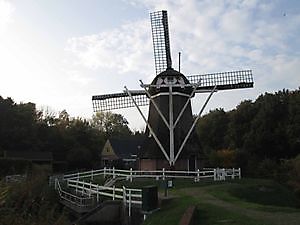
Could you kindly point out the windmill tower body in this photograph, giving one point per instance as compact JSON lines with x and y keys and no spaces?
{"x":151,"y":156}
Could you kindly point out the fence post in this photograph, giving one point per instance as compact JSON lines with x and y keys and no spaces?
{"x":104,"y":172}
{"x":129,"y":206}
{"x":76,"y":189}
{"x":114,"y":192}
{"x":78,"y":175}
{"x":97,"y":192}
{"x":223,"y":174}
{"x":198,"y":175}
{"x":90,"y":189}
{"x":83,"y":184}
{"x":130,"y":174}
{"x":240,"y":173}
{"x":124,"y":196}
{"x":233,"y":173}
{"x":92,"y":178}
{"x":114,"y":175}
{"x":55,"y":184}
{"x":163,"y":173}
{"x":215,"y":174}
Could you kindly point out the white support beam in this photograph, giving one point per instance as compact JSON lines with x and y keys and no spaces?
{"x":194,"y":124}
{"x":186,"y":104}
{"x":155,"y":105}
{"x":148,"y":125}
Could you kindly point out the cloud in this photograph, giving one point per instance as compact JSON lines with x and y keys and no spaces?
{"x":6,"y":11}
{"x":123,"y":49}
{"x":213,"y":36}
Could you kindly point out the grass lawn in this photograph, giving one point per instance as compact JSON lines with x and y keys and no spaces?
{"x":259,"y":194}
{"x":238,"y":202}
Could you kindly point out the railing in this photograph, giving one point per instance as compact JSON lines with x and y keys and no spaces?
{"x":83,"y":201}
{"x":91,"y":192}
{"x":128,"y":195}
{"x":15,"y":178}
{"x":208,"y":173}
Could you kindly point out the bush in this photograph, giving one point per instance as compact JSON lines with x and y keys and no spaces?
{"x":33,"y":202}
{"x":14,"y":166}
{"x":267,"y":168}
{"x":294,"y":174}
{"x":223,"y":158}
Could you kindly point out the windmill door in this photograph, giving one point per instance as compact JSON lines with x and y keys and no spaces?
{"x":192,"y":163}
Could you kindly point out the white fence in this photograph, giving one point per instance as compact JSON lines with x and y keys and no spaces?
{"x":128,"y":195}
{"x":93,"y":192}
{"x":209,"y":173}
{"x":83,"y":201}
{"x":90,"y":192}
{"x":15,"y":178}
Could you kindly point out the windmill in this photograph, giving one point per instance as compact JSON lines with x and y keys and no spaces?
{"x":170,"y":136}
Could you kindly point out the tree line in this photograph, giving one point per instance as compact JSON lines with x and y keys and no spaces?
{"x":256,"y":133}
{"x":76,"y":141}
{"x":259,"y":136}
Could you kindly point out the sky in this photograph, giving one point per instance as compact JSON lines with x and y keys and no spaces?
{"x":58,"y":53}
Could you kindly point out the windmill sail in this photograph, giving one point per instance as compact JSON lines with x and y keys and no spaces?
{"x":223,"y":80}
{"x":161,"y":41}
{"x":170,"y":133}
{"x":118,"y":101}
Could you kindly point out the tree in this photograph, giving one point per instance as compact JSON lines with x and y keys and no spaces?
{"x":113,"y":125}
{"x":267,"y":137}
{"x":17,"y":125}
{"x":223,"y":158}
{"x":240,"y":123}
{"x":212,"y":129}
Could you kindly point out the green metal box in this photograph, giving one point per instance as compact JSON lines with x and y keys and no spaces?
{"x":149,"y":198}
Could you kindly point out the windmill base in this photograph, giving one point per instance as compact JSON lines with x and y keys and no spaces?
{"x":190,"y":164}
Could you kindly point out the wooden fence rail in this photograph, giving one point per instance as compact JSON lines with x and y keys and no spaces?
{"x":207,"y":173}
{"x":90,"y":192}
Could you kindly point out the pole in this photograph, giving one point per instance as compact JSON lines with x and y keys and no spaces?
{"x":171,"y":128}
{"x":179,"y":57}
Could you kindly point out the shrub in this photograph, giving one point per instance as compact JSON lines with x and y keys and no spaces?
{"x":223,"y":158}
{"x":294,"y":174}
{"x":14,"y":166}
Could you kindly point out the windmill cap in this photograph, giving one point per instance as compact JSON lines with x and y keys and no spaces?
{"x":170,"y":76}
{"x":170,"y":73}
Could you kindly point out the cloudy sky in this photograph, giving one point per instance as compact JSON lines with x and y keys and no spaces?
{"x":58,"y":53}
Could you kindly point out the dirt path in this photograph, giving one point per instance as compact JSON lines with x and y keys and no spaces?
{"x":276,"y":218}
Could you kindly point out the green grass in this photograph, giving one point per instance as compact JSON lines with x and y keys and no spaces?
{"x":208,"y":214}
{"x":257,"y":193}
{"x":205,"y":214}
{"x":178,"y":183}
{"x":171,"y":212}
{"x":237,"y":202}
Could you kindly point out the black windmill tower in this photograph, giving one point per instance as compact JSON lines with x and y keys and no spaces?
{"x":170,"y":135}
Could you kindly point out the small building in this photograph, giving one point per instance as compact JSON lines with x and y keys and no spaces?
{"x":36,"y":157}
{"x":22,"y":161}
{"x":121,"y":152}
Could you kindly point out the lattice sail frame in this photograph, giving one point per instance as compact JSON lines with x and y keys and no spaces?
{"x":118,"y":101}
{"x":222,"y":81}
{"x":161,"y":41}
